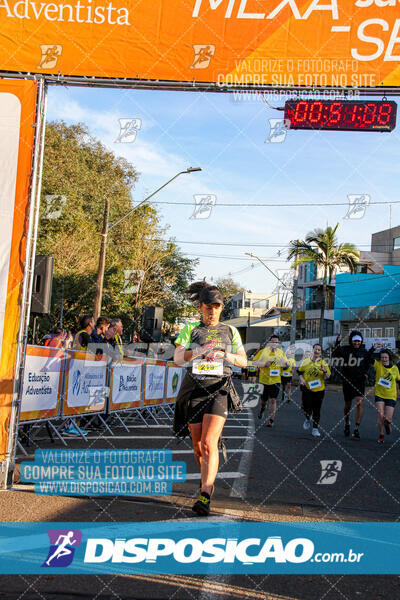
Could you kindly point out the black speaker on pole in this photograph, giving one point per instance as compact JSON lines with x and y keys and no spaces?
{"x":152,"y":317}
{"x":42,"y":285}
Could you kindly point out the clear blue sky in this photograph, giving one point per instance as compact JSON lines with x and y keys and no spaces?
{"x":226,"y":138}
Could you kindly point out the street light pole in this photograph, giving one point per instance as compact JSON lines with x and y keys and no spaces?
{"x":102,"y":261}
{"x":293,"y":291}
{"x":267,"y":267}
{"x":107,"y":228}
{"x":294,"y":305}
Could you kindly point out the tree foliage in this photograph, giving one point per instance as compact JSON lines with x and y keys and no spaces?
{"x":228,"y":287}
{"x":322,"y":247}
{"x":79,"y":168}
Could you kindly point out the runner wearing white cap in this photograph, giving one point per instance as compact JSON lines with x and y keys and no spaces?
{"x":352,"y":364}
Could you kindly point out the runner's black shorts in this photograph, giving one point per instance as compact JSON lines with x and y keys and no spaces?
{"x":387,"y":401}
{"x":271,"y":391}
{"x":352,"y":389}
{"x":215,"y":404}
{"x":286,"y":380}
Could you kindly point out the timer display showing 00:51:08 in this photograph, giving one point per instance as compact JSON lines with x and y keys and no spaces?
{"x":341,"y":115}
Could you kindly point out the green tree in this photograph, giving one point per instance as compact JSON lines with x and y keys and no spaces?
{"x":84,"y":172}
{"x":228,"y":286}
{"x":322,"y":247}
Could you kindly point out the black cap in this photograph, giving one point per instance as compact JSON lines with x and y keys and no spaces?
{"x":211,"y":295}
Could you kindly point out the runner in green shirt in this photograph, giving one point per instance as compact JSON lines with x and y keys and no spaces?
{"x":210,"y":347}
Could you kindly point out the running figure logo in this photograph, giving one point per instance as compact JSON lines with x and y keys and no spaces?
{"x":128,"y":129}
{"x":76,"y":383}
{"x":358,"y":204}
{"x":277,"y":131}
{"x":329,"y":471}
{"x":62,"y":547}
{"x":251,"y":394}
{"x":54,"y":206}
{"x":204,"y":205}
{"x":50,"y":55}
{"x":203,"y":54}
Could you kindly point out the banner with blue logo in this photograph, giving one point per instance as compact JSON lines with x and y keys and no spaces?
{"x":200,"y":548}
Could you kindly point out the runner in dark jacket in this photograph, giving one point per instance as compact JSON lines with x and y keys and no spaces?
{"x":352,"y":361}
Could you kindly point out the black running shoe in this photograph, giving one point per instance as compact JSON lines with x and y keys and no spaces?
{"x":347,"y":430}
{"x":202,"y":506}
{"x":356,"y":434}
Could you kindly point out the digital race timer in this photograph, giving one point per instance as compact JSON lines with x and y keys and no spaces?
{"x":341,"y":115}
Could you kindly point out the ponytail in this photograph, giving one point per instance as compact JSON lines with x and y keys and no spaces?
{"x":194,"y":290}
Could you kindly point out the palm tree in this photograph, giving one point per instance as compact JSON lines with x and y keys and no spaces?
{"x":321,"y":246}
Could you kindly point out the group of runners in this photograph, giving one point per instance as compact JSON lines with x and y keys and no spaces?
{"x":209,"y":348}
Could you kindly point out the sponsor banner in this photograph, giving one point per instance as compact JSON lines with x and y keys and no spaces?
{"x":387,"y":342}
{"x":174,"y":381}
{"x":85,"y":383}
{"x":154,"y":381}
{"x":17,"y":110}
{"x":200,"y":548}
{"x":126,"y":384}
{"x":222,"y":41}
{"x":40,"y":396}
{"x":103,"y":472}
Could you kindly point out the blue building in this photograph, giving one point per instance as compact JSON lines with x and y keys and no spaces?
{"x":369,"y":302}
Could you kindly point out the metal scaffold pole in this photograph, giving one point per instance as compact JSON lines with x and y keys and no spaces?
{"x":27,"y":284}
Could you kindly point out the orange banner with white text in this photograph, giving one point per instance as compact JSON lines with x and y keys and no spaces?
{"x":17,"y":117}
{"x":234,"y":42}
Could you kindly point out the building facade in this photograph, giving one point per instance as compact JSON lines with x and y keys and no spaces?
{"x":369,"y":302}
{"x":249,"y":305}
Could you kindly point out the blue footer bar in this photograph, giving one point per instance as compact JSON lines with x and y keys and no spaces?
{"x":200,"y":548}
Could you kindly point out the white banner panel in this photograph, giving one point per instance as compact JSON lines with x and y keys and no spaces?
{"x":387,"y":342}
{"x":10,"y":114}
{"x":126,"y":385}
{"x":85,"y":388}
{"x":41,"y":383}
{"x":174,"y":380}
{"x":154,"y":382}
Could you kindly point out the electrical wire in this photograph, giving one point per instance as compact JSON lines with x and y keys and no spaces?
{"x":275,"y":204}
{"x":257,"y":245}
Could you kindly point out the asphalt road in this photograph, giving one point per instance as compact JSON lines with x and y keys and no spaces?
{"x":270,"y":475}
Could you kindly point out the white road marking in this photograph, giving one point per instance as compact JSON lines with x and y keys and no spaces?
{"x":239,"y":488}
{"x":221,"y":475}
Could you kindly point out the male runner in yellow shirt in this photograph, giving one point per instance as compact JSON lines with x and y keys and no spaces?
{"x":270,"y":360}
